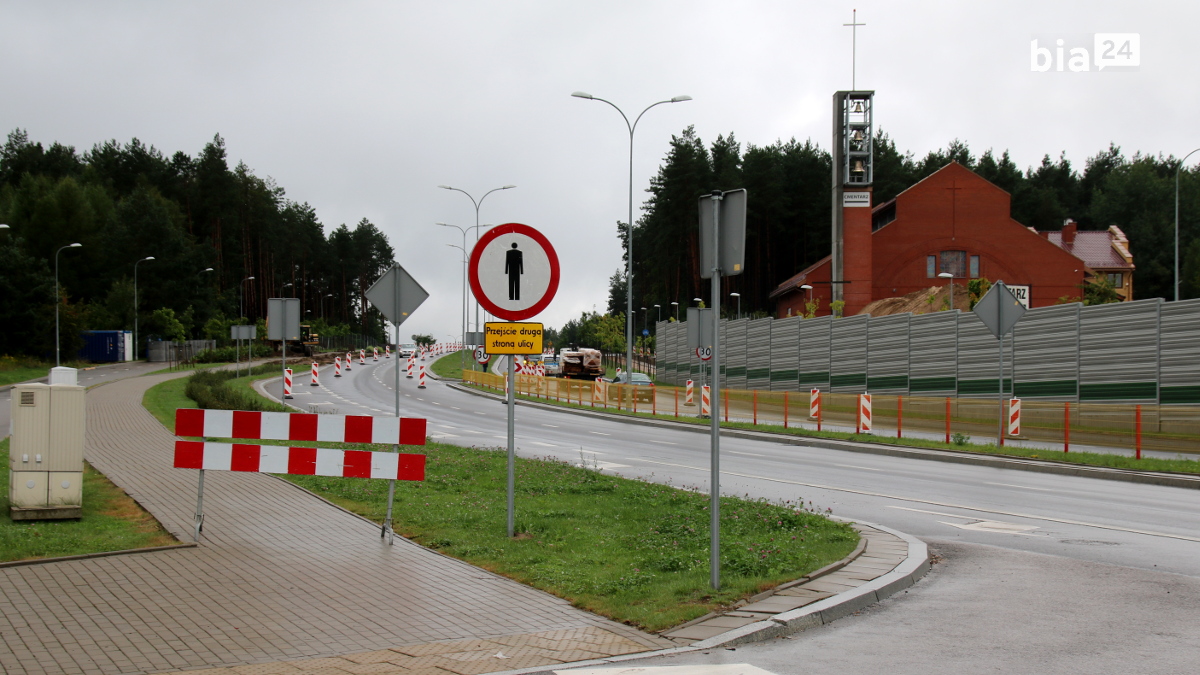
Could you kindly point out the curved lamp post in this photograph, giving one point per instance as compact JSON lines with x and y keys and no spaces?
{"x":739,"y":303}
{"x":242,"y":296}
{"x":1177,"y":170}
{"x":136,"y":349}
{"x":476,"y":226}
{"x":629,"y":232}
{"x":462,"y":361}
{"x":57,"y":303}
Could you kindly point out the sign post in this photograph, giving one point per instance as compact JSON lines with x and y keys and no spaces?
{"x":396,"y":295}
{"x":722,"y":249}
{"x":283,"y":324}
{"x":999,"y":310}
{"x":514,"y":275}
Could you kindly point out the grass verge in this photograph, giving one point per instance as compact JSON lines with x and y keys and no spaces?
{"x":632,"y":550}
{"x":1180,"y":465}
{"x":449,"y":366}
{"x":111,"y":521}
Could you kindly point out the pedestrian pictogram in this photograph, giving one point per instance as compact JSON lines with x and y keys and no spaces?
{"x":514,"y":271}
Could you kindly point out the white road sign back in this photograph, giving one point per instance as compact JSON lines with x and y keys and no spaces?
{"x":396,"y":295}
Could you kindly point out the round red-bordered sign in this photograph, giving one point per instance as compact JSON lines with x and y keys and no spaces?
{"x":511,"y":287}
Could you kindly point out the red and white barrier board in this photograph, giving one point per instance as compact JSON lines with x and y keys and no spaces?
{"x":864,"y":413}
{"x":1014,"y":417}
{"x":195,"y":423}
{"x":298,"y":461}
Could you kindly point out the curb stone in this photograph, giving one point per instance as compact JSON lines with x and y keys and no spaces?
{"x":951,"y":456}
{"x":910,"y":570}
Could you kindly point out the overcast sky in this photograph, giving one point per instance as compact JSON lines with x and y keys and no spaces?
{"x":362,"y":109}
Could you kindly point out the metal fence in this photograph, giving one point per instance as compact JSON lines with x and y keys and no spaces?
{"x":1148,"y":427}
{"x":1145,"y":352}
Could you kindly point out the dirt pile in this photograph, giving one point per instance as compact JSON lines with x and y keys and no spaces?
{"x":925,"y":301}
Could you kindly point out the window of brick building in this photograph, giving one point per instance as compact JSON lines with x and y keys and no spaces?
{"x":931,"y":266}
{"x":955,"y":262}
{"x":1115,"y":279}
{"x":974,"y":267}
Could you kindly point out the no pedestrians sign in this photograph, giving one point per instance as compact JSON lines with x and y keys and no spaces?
{"x":514,"y":272}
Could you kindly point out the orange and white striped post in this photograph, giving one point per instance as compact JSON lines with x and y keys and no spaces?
{"x":705,"y":404}
{"x":1014,"y":417}
{"x":814,"y":405}
{"x":864,"y":413}
{"x":410,"y":369}
{"x":337,"y":366}
{"x":349,"y":359}
{"x":362,"y":357}
{"x":421,"y":383}
{"x":287,"y":383}
{"x":387,"y":351}
{"x":375,"y":353}
{"x":687,"y":399}
{"x":315,"y":382}
{"x":597,"y":391}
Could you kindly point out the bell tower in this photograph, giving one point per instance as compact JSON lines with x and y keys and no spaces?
{"x":853,"y":174}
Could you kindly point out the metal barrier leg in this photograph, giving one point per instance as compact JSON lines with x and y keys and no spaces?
{"x":198,"y":522}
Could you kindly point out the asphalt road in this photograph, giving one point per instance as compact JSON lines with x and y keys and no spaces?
{"x":1040,"y":572}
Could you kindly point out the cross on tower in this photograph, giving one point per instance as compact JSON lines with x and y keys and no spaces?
{"x":854,"y":24}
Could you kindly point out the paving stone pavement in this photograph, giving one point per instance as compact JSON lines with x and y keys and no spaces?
{"x":279,"y":575}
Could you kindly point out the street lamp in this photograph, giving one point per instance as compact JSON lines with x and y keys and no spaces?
{"x":629,"y":232}
{"x":57,"y":302}
{"x":808,"y":288}
{"x":659,"y":308}
{"x":1177,"y":170}
{"x":739,"y":303}
{"x":676,"y":306}
{"x":462,"y":361}
{"x":477,"y":205}
{"x":242,"y":296}
{"x":137,"y":350}
{"x":947,"y":275}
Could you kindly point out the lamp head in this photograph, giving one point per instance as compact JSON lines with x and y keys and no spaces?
{"x":946,"y":275}
{"x":674,"y":303}
{"x":445,"y":187}
{"x":735,"y":295}
{"x":680,"y":99}
{"x":76,"y":245}
{"x":249,"y":278}
{"x":508,"y":187}
{"x":207,"y":269}
{"x":3,"y":226}
{"x":149,"y":257}
{"x":582,"y":94}
{"x":806,"y":287}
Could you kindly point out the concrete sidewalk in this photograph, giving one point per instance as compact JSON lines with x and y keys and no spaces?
{"x":279,"y":575}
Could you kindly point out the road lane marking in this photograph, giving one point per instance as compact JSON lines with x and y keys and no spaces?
{"x":1013,"y":514}
{"x":852,"y":466}
{"x":599,"y":433}
{"x":552,"y":426}
{"x":748,"y":454}
{"x":1023,"y":487}
{"x":544,"y":445}
{"x":664,"y":442}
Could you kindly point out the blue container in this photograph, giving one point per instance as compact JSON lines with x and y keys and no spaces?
{"x":103,"y":346}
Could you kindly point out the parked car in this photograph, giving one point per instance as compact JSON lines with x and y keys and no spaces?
{"x":640,"y":384}
{"x":552,"y":367}
{"x":406,"y":350}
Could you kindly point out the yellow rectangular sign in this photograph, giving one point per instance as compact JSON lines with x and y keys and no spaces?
{"x":512,"y":338}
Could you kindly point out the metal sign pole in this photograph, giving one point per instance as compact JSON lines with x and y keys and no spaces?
{"x":198,"y":520}
{"x":511,"y":451}
{"x":715,"y":407}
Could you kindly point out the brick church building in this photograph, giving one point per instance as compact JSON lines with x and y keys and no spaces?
{"x":955,"y":221}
